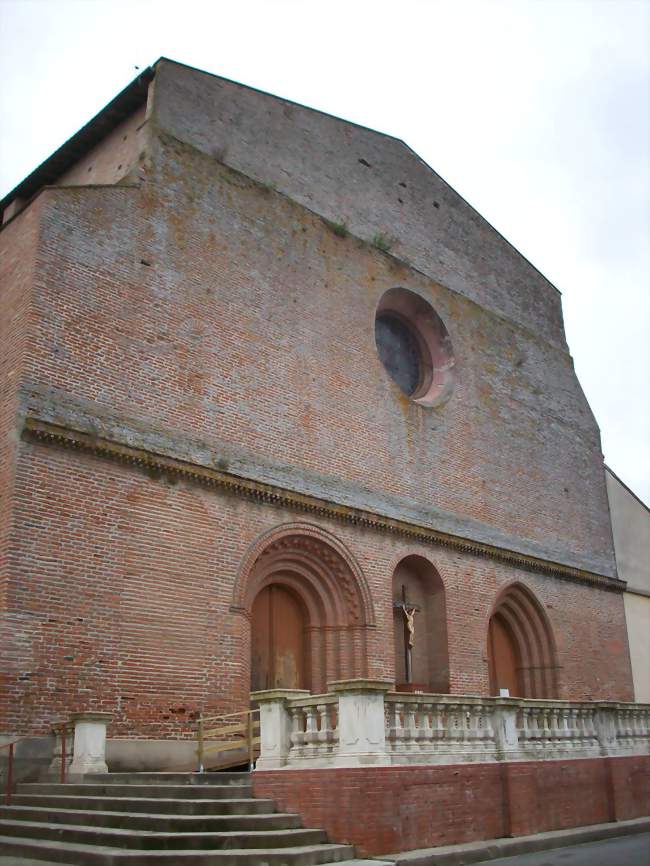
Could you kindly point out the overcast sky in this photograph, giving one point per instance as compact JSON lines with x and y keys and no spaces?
{"x":536,"y":111}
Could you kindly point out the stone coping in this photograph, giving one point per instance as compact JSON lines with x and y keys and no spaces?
{"x":361,"y":685}
{"x":267,"y":695}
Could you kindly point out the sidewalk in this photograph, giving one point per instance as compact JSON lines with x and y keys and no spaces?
{"x":492,"y":849}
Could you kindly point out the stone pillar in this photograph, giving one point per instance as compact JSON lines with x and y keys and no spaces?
{"x":275,"y":726}
{"x":605,"y":722}
{"x":504,"y":723}
{"x":89,"y":755}
{"x":361,"y":723}
{"x":54,"y":770}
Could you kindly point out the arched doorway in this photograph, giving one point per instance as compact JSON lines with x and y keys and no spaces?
{"x":420,"y":627}
{"x":279,"y":657}
{"x":309,"y":609}
{"x":504,"y":661}
{"x":521,"y":649}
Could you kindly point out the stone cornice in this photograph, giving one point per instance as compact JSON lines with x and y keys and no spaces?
{"x":160,"y":465}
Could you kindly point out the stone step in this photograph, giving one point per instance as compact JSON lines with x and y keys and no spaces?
{"x":76,"y":854}
{"x":152,"y":821}
{"x":169,"y":778}
{"x":195,"y":792}
{"x":150,"y":840}
{"x":159,"y":805}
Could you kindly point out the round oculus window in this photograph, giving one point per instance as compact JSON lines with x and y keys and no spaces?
{"x":414,"y":347}
{"x":399,"y":352}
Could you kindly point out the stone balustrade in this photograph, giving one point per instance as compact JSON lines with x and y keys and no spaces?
{"x":360,"y":722}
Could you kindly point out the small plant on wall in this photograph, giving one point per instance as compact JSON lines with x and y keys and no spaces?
{"x":381,"y":242}
{"x":339,"y":229}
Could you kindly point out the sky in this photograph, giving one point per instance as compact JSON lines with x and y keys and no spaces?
{"x":535,"y":111}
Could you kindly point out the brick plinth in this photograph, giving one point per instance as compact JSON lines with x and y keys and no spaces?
{"x":417,"y":807}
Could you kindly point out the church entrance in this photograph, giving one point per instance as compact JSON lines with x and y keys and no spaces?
{"x":503,"y":658}
{"x":278,"y":641}
{"x":521,"y":649}
{"x":308,"y":607}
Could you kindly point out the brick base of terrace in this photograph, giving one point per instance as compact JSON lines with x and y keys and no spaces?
{"x":384,"y":810}
{"x":390,"y":772}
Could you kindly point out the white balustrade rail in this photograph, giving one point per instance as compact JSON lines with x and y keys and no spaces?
{"x":360,"y":722}
{"x":314,"y":733}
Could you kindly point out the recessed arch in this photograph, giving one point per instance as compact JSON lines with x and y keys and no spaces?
{"x":304,"y":563}
{"x":521,"y":648}
{"x":421,"y":649}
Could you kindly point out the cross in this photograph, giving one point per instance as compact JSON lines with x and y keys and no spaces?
{"x":409,"y":610}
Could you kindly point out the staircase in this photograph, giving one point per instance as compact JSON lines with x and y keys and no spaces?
{"x":139,"y":819}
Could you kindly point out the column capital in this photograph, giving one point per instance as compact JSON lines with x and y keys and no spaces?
{"x":91,"y":716}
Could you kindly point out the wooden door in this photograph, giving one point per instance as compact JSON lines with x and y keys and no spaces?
{"x":503,"y":659}
{"x":278,"y":641}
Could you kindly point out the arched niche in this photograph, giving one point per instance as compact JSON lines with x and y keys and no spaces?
{"x":309,"y":609}
{"x":521,"y":648}
{"x":417,"y":586}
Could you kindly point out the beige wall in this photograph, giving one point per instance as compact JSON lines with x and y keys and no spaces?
{"x":631,"y":529}
{"x":637,"y":615}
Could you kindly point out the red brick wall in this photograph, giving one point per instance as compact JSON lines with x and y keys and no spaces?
{"x":113,"y":158}
{"x":417,"y":807}
{"x":209,"y":318}
{"x":205,"y":307}
{"x":18,"y":246}
{"x":123,"y":586}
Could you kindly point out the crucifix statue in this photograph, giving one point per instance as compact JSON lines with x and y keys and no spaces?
{"x":409,"y":610}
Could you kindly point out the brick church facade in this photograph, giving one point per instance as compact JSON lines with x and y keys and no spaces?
{"x":267,"y":380}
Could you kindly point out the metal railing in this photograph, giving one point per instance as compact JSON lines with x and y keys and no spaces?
{"x":61,"y":729}
{"x":228,"y":732}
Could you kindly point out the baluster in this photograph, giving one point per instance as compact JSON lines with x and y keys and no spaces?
{"x":400,"y":733}
{"x":425,"y":726}
{"x":645,"y":725}
{"x":484,"y":729}
{"x":627,"y":727}
{"x":537,"y":727}
{"x":334,"y":721}
{"x":636,"y":724}
{"x":592,"y":734}
{"x":311,"y":730}
{"x":453,"y":726}
{"x":409,"y":725}
{"x":564,"y":732}
{"x":544,"y":731}
{"x":620,"y":728}
{"x":475,"y":729}
{"x":325,"y":733}
{"x":297,"y":730}
{"x":554,"y":725}
{"x":574,"y":733}
{"x":582,"y":728}
{"x":488,"y":727}
{"x":630,"y":725}
{"x":629,"y":733}
{"x":437,"y":728}
{"x":468,"y":732}
{"x":523,"y":726}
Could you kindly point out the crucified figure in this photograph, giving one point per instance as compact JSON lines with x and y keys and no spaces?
{"x":409,"y":610}
{"x":409,"y":614}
